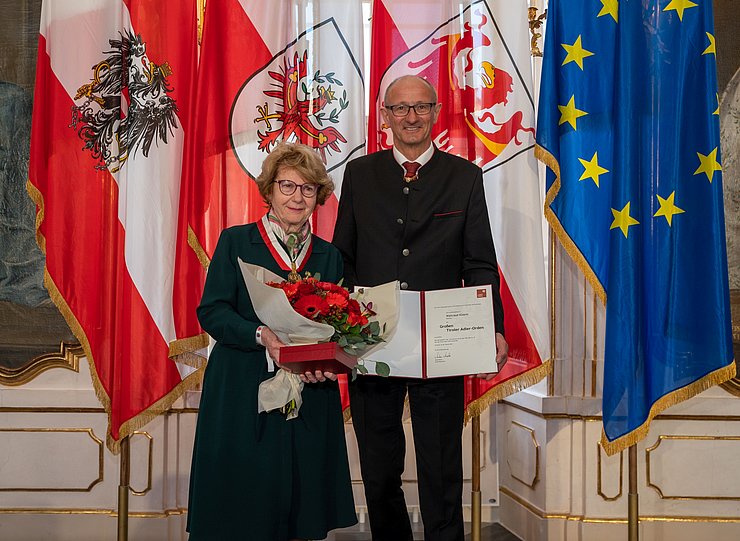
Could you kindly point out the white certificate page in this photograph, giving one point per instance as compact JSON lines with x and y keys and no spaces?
{"x":450,"y":333}
{"x":460,"y":333}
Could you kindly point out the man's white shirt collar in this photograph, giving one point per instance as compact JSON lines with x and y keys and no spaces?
{"x":421,"y":160}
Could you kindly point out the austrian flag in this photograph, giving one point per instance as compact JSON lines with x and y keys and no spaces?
{"x":113,"y":87}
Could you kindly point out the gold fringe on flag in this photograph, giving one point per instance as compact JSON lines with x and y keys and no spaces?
{"x":197,"y":247}
{"x":161,"y":406}
{"x":570,"y":247}
{"x":185,"y":350}
{"x":127,"y":428}
{"x":509,"y":387}
{"x":663,"y":403}
{"x":37,"y":198}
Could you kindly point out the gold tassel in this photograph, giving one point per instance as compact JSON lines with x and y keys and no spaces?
{"x":663,"y":403}
{"x":570,"y":247}
{"x":514,"y":385}
{"x":188,"y":345}
{"x":162,"y":405}
{"x":195,"y":244}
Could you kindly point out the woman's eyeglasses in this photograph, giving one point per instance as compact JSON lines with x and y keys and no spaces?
{"x":403,"y":109}
{"x":288,"y":187}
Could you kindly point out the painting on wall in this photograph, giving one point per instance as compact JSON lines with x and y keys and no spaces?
{"x":34,"y":335}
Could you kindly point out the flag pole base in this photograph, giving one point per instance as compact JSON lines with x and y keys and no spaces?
{"x":633,"y":510}
{"x":475,"y":489}
{"x":633,"y":519}
{"x":122,"y":513}
{"x":475,"y":517}
{"x":123,"y":490}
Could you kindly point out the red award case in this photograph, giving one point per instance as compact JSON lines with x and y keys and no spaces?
{"x":326,"y":356}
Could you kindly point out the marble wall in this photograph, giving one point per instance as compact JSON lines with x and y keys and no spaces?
{"x":730,"y":140}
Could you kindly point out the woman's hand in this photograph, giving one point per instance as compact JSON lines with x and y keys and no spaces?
{"x":273,"y":344}
{"x":317,"y":377}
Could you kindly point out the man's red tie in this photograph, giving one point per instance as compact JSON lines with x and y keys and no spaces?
{"x":411,"y":169}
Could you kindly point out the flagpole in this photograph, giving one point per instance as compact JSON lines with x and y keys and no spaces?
{"x":475,"y":508}
{"x":633,"y":518}
{"x":123,"y":489}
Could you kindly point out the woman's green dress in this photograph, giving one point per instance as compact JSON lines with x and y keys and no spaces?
{"x":259,"y":477}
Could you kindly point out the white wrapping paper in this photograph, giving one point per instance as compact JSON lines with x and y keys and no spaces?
{"x":279,"y":390}
{"x":274,"y":310}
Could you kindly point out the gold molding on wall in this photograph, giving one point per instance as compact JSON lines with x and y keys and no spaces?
{"x":599,"y":490}
{"x":590,"y":418}
{"x":68,"y":357}
{"x":733,"y":386}
{"x":89,"y":432}
{"x":81,"y":511}
{"x":608,"y":520}
{"x":149,"y":462}
{"x":662,"y":437}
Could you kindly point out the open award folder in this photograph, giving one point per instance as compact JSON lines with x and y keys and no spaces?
{"x":448,"y":332}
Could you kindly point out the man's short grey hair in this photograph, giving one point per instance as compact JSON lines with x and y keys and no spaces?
{"x":403,"y":77}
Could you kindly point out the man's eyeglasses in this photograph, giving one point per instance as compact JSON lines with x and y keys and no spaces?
{"x":402,"y":110}
{"x":288,"y":187}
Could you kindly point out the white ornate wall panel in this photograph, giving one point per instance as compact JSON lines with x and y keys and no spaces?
{"x":57,"y":480}
{"x":522,"y":454}
{"x":75,"y":465}
{"x":697,"y":467}
{"x":688,"y":480}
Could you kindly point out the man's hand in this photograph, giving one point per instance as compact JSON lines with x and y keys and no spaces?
{"x":502,"y":355}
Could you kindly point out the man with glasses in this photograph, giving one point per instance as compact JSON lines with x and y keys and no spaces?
{"x":417,"y":215}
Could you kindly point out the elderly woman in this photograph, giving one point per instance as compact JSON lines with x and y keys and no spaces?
{"x":259,"y":476}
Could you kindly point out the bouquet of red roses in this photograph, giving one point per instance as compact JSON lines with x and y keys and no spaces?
{"x":331,"y":304}
{"x":320,"y":321}
{"x":305,"y":315}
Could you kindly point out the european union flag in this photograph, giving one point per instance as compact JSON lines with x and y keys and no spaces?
{"x":629,"y":127}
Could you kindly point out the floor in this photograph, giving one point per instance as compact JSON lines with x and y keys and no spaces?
{"x":489,"y":532}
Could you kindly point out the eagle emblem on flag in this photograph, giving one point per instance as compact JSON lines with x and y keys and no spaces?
{"x":305,"y":106}
{"x":126,"y":106}
{"x":309,"y":92}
